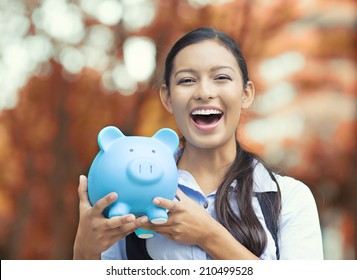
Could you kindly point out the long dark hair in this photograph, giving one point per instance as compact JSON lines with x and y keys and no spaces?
{"x":245,"y":226}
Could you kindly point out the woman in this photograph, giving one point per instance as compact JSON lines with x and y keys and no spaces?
{"x":218,"y":213}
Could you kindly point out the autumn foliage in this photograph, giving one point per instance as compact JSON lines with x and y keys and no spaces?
{"x":49,"y":138}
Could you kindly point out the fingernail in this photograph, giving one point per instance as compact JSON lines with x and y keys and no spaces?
{"x":144,"y":219}
{"x":156,"y":201}
{"x":112,"y":196}
{"x":82,"y":178}
{"x":131,"y":218}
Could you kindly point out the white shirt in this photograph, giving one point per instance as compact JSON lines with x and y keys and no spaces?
{"x":299,"y":235}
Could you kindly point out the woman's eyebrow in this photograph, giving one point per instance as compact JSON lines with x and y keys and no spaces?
{"x":213,"y":69}
{"x":219,"y":67}
{"x":189,"y":70}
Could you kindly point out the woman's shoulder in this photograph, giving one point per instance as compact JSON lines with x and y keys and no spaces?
{"x":290,"y":186}
{"x":292,"y":190}
{"x":295,"y":195}
{"x":263,"y":181}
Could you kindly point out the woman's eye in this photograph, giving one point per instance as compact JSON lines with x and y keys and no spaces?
{"x":223,"y":77}
{"x":185,"y":81}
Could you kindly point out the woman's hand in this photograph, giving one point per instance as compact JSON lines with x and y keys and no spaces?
{"x":96,"y":233}
{"x":188,"y":222}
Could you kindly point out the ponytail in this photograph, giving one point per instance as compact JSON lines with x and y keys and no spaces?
{"x":245,"y":226}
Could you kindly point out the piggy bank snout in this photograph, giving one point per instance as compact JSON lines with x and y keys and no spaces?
{"x":144,"y":171}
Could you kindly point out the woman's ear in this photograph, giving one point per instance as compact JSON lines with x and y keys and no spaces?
{"x":165,"y":98}
{"x":248,"y":95}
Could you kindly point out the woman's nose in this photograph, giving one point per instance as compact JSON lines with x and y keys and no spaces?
{"x":204,"y":91}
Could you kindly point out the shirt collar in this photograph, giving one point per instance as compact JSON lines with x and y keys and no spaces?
{"x":262,"y":182}
{"x":185,"y":179}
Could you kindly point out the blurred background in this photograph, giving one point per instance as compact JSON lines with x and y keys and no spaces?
{"x":69,"y":68}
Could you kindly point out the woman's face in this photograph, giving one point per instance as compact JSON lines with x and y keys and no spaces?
{"x":206,"y":94}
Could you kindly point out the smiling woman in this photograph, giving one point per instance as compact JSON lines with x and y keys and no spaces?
{"x":229,"y":204}
{"x":206,"y":93}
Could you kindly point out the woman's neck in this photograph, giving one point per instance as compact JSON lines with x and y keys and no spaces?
{"x":207,"y":166}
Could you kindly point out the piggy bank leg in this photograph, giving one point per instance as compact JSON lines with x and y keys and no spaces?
{"x":143,"y":233}
{"x":118,"y":209}
{"x":157,"y":215}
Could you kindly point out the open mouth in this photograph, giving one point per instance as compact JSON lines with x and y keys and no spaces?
{"x":206,"y":116}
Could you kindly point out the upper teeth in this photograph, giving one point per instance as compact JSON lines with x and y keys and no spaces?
{"x":206,"y":112}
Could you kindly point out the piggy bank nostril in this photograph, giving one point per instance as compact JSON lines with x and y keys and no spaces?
{"x":144,"y":171}
{"x":150,"y":168}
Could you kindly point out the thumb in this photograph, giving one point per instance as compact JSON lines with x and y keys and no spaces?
{"x":83,"y":191}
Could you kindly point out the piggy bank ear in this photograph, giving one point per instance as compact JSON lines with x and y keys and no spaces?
{"x":168,"y":137}
{"x":107,"y":135}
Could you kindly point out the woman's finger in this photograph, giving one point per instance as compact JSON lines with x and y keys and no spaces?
{"x":170,"y":205}
{"x":104,"y":202}
{"x":116,"y":222}
{"x":83,"y":191}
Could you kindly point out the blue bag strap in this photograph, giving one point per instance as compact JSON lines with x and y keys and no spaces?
{"x":268,"y":201}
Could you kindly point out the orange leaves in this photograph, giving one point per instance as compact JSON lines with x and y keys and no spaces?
{"x":50,"y":138}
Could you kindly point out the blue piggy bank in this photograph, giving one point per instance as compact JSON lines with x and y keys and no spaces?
{"x":138,"y":169}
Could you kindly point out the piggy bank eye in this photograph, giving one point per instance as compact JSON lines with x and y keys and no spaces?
{"x":131,"y":150}
{"x":153,"y":151}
